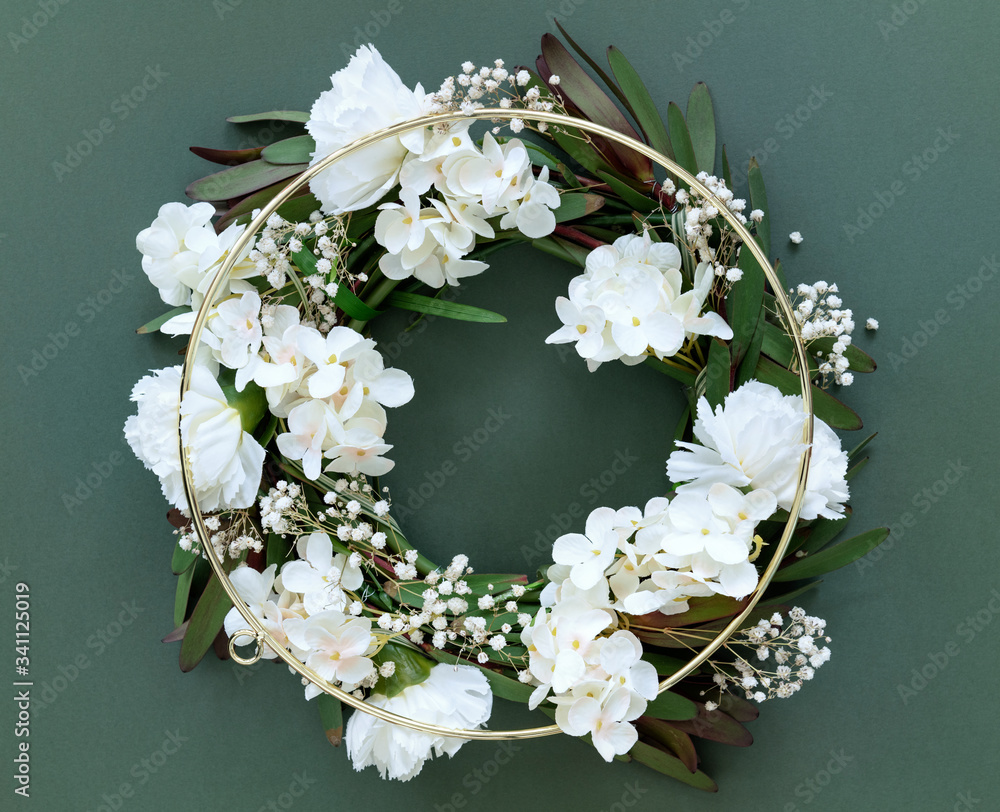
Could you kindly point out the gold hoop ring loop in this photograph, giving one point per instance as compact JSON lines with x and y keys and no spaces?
{"x":559,"y":120}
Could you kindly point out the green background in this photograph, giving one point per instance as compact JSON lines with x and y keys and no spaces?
{"x":887,"y":80}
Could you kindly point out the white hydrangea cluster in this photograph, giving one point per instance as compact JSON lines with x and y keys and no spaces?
{"x":599,"y":683}
{"x":793,"y":646}
{"x":654,"y":560}
{"x":819,"y":312}
{"x":427,"y":239}
{"x":181,"y":254}
{"x":630,"y":302}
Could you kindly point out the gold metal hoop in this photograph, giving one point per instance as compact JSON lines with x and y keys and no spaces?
{"x":260,"y":633}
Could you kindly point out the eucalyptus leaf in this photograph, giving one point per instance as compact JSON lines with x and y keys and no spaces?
{"x":240,"y":180}
{"x":295,"y":150}
{"x":419,"y":303}
{"x":701,"y":127}
{"x":640,"y":102}
{"x":832,"y":558}
{"x":204,"y":624}
{"x":680,"y":138}
{"x":272,"y":115}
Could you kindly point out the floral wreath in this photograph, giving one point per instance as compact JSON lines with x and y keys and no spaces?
{"x":653,"y":625}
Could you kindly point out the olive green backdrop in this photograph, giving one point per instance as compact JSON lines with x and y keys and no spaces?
{"x":876,"y":125}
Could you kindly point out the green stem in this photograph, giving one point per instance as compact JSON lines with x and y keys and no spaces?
{"x":378,"y":295}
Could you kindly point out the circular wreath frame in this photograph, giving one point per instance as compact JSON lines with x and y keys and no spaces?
{"x":260,"y":634}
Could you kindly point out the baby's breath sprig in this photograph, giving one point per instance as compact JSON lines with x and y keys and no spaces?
{"x":475,"y":88}
{"x":793,"y":646}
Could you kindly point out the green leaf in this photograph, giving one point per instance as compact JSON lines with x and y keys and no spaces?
{"x":331,"y":715}
{"x":682,"y":375}
{"x":744,"y":304}
{"x":601,"y":73}
{"x":859,"y":360}
{"x":159,"y":321}
{"x":257,"y":200}
{"x":739,"y":708}
{"x":672,"y":707}
{"x":418,"y":303}
{"x":563,"y":249}
{"x":674,"y":740}
{"x":411,"y":668}
{"x":182,"y":561}
{"x":758,"y":200}
{"x":640,"y":102}
{"x":826,"y":407}
{"x":856,"y":469}
{"x":237,"y":181}
{"x":700,"y":610}
{"x":295,"y":150}
{"x":681,"y":139}
{"x":748,"y":366}
{"x":279,"y":550}
{"x":227,"y":157}
{"x":716,"y":373}
{"x":345,"y":299}
{"x":832,"y":558}
{"x":585,"y":94}
{"x":818,"y":533}
{"x":574,"y":205}
{"x":861,"y":446}
{"x":271,"y":115}
{"x":716,"y":726}
{"x":727,"y":174}
{"x":657,"y":758}
{"x":501,"y":685}
{"x":664,"y":664}
{"x":251,"y":403}
{"x":635,"y":199}
{"x":541,"y":157}
{"x":182,"y":594}
{"x":701,"y":126}
{"x":205,"y":623}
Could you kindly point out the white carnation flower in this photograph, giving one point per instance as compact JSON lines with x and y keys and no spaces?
{"x":755,"y":439}
{"x":452,"y":696}
{"x":225,"y":461}
{"x":366,"y":96}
